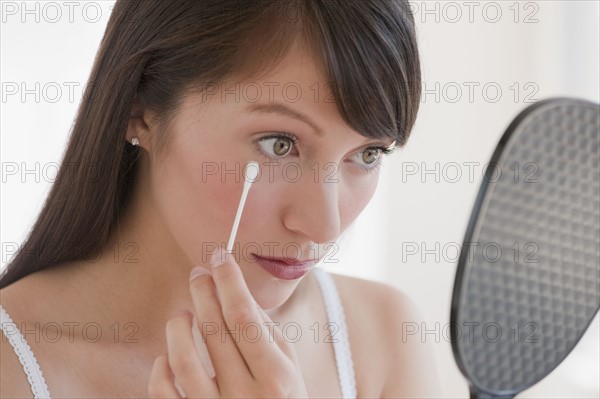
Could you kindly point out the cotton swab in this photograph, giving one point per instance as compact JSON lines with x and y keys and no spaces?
{"x":252,"y":171}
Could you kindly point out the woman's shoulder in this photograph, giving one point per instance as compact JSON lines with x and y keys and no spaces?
{"x":380,"y":319}
{"x":15,"y":304}
{"x":37,"y":292}
{"x":16,"y":298}
{"x":14,"y":381}
{"x":374,"y":289}
{"x":24,"y":299}
{"x":381,"y":302}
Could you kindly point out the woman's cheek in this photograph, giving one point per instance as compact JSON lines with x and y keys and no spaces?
{"x":218,"y":194}
{"x":356,"y":197}
{"x":260,"y":211}
{"x":221,"y":194}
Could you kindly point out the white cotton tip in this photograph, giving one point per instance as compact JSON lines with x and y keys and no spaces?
{"x":252,"y":170}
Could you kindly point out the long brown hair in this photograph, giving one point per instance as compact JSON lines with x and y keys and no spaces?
{"x":155,"y":51}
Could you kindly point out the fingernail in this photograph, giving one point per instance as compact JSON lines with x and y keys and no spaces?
{"x":218,"y":258}
{"x":198,"y":271}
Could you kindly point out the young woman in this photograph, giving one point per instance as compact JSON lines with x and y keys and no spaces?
{"x":103,"y":298}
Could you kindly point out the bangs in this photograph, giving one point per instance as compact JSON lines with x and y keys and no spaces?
{"x":367,"y":50}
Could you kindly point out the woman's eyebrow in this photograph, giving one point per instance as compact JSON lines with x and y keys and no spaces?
{"x":282,"y":109}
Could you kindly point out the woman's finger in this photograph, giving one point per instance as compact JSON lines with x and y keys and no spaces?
{"x":202,"y":349}
{"x":162,"y":380}
{"x":242,"y":315}
{"x":228,"y":363}
{"x":184,"y":359}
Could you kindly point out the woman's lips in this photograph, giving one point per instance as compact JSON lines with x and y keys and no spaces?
{"x":285,"y":268}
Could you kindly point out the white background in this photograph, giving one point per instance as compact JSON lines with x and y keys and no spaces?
{"x":532,"y":50}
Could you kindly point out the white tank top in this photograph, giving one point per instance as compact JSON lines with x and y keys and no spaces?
{"x":335,"y":315}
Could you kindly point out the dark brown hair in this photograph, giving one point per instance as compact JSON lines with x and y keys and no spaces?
{"x":154,"y":52}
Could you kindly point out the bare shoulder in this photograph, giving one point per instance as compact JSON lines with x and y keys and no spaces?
{"x":378,"y":302}
{"x":379,"y":316}
{"x":374,"y":290}
{"x":26,"y":302}
{"x":19,"y":298}
{"x":14,"y":380}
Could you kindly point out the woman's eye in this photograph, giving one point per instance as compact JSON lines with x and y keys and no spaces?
{"x":369,"y":158}
{"x":277,"y":146}
{"x":370,"y":155}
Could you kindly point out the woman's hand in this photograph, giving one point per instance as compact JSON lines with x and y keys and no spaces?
{"x":254,"y":361}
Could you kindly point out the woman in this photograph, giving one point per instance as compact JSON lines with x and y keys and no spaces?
{"x":181,"y":96}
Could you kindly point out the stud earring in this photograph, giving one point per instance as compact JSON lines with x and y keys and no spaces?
{"x":135,"y":141}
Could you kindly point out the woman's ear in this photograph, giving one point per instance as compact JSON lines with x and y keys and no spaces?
{"x":138,"y":126}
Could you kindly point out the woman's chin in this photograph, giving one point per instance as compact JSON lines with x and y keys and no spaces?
{"x":268,"y":291}
{"x":270,"y":297}
{"x":270,"y":301}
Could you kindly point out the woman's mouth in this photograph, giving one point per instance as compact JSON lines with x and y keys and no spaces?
{"x":285,"y":268}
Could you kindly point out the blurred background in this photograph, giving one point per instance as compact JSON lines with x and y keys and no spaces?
{"x":483,"y":62}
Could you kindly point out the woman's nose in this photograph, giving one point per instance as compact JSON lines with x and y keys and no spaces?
{"x":313,"y":209}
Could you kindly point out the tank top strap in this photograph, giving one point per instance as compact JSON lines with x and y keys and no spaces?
{"x":341,"y":345}
{"x":25,"y":355}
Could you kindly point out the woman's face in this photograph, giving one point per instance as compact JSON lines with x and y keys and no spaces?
{"x":308,"y":193}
